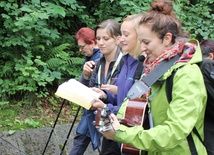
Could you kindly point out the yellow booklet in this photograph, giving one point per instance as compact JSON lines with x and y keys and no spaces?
{"x":77,"y":93}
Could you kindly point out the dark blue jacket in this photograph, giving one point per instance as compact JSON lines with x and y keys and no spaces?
{"x":124,"y":82}
{"x":88,"y":115}
{"x":96,"y":55}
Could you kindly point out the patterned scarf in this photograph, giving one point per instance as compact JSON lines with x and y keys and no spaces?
{"x":188,"y":52}
{"x":167,"y":54}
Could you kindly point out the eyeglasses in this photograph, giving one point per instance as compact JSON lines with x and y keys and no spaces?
{"x":82,"y":46}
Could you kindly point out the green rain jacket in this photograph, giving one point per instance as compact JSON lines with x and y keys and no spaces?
{"x":173,"y":121}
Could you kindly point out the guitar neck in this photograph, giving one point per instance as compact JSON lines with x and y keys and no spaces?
{"x":102,"y":119}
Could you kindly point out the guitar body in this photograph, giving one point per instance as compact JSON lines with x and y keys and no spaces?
{"x":136,"y":114}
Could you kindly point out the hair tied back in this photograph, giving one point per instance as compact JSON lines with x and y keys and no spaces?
{"x":162,"y":6}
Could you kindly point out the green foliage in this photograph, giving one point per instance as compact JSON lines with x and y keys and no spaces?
{"x":3,"y":103}
{"x":197,"y":18}
{"x":53,"y":102}
{"x":118,"y":9}
{"x":33,"y":73}
{"x":63,"y":61}
{"x":9,"y":120}
{"x":38,"y":51}
{"x":22,"y":116}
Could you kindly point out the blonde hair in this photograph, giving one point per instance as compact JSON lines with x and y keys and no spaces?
{"x":135,"y":19}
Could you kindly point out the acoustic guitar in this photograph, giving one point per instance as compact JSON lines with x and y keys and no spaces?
{"x":136,"y":113}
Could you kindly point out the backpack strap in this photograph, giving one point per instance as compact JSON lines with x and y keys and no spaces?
{"x":138,"y":71}
{"x":169,"y":85}
{"x":143,"y":85}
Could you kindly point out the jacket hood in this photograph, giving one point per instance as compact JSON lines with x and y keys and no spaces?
{"x":192,"y":47}
{"x":191,"y":54}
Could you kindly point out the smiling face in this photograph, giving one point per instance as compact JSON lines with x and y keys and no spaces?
{"x":106,"y":43}
{"x":129,"y":38}
{"x":151,"y":44}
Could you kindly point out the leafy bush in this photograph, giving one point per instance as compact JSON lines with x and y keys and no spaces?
{"x":33,"y":53}
{"x":38,"y":51}
{"x":197,"y":17}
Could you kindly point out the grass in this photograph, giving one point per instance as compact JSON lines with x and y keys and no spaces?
{"x":24,"y":116}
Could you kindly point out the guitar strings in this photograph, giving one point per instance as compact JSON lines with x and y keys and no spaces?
{"x":110,"y":123}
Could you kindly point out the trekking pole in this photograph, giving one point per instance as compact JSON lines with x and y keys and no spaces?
{"x":70,"y":129}
{"x":53,"y":126}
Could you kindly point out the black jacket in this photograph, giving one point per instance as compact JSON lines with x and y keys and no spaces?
{"x":207,"y":68}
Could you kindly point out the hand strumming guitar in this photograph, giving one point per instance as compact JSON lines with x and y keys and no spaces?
{"x":113,"y":127}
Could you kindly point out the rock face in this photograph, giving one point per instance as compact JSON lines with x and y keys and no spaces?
{"x":33,"y":141}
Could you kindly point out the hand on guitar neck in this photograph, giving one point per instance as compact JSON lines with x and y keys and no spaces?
{"x":102,"y":121}
{"x":105,"y":122}
{"x":135,"y":114}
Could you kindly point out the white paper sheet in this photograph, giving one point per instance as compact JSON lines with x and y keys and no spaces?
{"x":78,"y":93}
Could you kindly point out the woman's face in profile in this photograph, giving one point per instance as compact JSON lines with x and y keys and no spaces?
{"x":87,"y":49}
{"x":129,"y":39}
{"x":151,"y":44}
